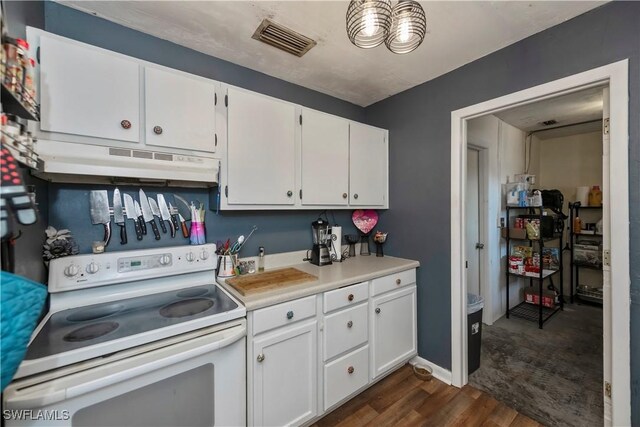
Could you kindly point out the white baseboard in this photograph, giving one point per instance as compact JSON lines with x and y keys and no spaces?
{"x":439,"y":372}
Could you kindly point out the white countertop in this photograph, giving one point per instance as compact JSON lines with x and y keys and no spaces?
{"x":350,"y":271}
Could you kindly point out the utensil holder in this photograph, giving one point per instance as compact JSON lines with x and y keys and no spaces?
{"x":227,"y":265}
{"x":379,"y":252}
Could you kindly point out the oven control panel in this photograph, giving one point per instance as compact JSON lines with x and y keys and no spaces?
{"x":92,"y":270}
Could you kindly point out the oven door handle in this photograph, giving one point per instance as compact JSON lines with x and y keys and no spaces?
{"x":49,"y":393}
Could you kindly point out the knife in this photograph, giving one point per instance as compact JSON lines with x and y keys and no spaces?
{"x":147,"y":214}
{"x":174,"y":217}
{"x":99,"y":201}
{"x":118,"y":216}
{"x":184,"y":213}
{"x":156,"y":212}
{"x":166,"y":216}
{"x":131,"y":214}
{"x":143,"y":225}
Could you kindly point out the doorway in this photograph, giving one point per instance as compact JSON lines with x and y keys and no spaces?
{"x":616,"y":210}
{"x":474,"y":239}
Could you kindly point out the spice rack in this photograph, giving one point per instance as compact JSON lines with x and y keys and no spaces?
{"x":525,"y":310}
{"x":584,"y":292}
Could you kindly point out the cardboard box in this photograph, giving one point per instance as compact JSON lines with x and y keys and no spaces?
{"x":532,"y":296}
{"x":514,"y":233}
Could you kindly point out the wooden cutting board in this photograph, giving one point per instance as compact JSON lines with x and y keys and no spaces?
{"x":269,"y":281}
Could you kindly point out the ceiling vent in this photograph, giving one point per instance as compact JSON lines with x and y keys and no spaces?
{"x":550,"y":122}
{"x":283,"y":38}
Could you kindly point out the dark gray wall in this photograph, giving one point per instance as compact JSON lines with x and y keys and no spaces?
{"x":419,"y":123}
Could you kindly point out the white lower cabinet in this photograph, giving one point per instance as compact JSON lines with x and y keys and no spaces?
{"x":345,"y":375}
{"x":284,"y":375}
{"x":393,"y":326}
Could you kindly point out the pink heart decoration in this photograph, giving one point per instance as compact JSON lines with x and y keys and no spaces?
{"x":365,"y":220}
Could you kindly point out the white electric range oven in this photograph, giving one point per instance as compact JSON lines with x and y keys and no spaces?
{"x":134,"y":338}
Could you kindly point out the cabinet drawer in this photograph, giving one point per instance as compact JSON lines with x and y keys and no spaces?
{"x":343,"y":297}
{"x":282,"y":314}
{"x":345,"y":376}
{"x":345,"y":329}
{"x":393,"y":281}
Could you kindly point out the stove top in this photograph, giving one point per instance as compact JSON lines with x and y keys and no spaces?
{"x":76,"y":328}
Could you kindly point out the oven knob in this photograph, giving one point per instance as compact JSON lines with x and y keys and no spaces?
{"x":93,"y":268}
{"x":190,"y":256}
{"x":165,"y":260}
{"x":204,"y":255}
{"x":71,"y":270}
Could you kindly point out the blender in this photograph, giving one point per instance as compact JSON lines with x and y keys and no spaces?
{"x":320,"y":254}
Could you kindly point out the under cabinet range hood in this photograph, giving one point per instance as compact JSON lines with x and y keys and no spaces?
{"x":98,"y":164}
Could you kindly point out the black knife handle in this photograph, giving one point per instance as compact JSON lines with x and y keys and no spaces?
{"x":154,"y":227}
{"x":174,"y":220}
{"x":164,"y":227}
{"x":136,"y":224}
{"x":143,"y":225}
{"x":123,"y":234}
{"x":107,"y":233}
{"x":172,"y":229}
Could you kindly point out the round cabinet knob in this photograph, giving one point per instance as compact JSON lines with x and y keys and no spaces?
{"x":260,"y":358}
{"x":289,"y":315}
{"x":344,"y":195}
{"x":398,"y":281}
{"x":350,"y":324}
{"x":165,"y":260}
{"x":157,"y":130}
{"x":126,"y":124}
{"x":350,"y":297}
{"x":355,"y":196}
{"x":289,"y":193}
{"x":71,"y":270}
{"x":190,"y":256}
{"x":204,"y":255}
{"x":350,"y":370}
{"x":378,"y":310}
{"x":93,"y":268}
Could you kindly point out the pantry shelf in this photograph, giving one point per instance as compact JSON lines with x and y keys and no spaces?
{"x":545,"y":274}
{"x":531,"y":312}
{"x":12,"y":105}
{"x":577,"y":240}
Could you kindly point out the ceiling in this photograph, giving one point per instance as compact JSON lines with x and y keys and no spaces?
{"x":583,"y":107}
{"x":458,"y":32}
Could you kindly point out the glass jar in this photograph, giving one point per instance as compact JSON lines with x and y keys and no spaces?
{"x":23,"y":59}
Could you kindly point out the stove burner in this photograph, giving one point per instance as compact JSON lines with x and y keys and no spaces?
{"x":187,"y":307}
{"x":95,"y":313}
{"x":90,"y":332}
{"x":194,"y":292}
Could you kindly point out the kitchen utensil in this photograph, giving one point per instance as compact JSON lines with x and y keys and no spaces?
{"x":320,"y":254}
{"x":118,"y":216}
{"x":174,"y":217}
{"x":254,"y":228}
{"x":166,"y":215}
{"x":184,"y":211}
{"x":237,"y":244}
{"x":226,"y":265}
{"x":271,"y":280}
{"x":147,"y":214}
{"x":130,"y":210}
{"x":99,"y":201}
{"x":155,"y":209}
{"x":143,"y":225}
{"x":365,"y":220}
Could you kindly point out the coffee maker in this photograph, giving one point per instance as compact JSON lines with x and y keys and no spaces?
{"x":320,"y":254}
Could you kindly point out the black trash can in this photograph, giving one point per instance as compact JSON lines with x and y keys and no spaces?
{"x":475,"y":304}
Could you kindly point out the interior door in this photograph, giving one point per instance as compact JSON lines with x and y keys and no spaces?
{"x":367,"y":165}
{"x":88,"y":91}
{"x":606,"y":269}
{"x":261,"y":150}
{"x":472,"y":221}
{"x":325,"y":159}
{"x":179,"y":111}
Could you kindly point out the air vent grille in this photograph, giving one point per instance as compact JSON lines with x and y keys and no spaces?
{"x":119,"y":152}
{"x":550,"y":122}
{"x":283,"y":38}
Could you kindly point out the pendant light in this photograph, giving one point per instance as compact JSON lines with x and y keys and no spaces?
{"x":368,"y":22}
{"x":408,"y":27}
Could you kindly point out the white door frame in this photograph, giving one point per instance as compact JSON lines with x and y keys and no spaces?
{"x":616,"y":76}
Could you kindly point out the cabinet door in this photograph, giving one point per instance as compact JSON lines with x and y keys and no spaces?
{"x":260,"y":150}
{"x":393,"y":329}
{"x":88,"y":91}
{"x":179,"y":111}
{"x":325,"y":159}
{"x":367,"y":165}
{"x":285,"y":376}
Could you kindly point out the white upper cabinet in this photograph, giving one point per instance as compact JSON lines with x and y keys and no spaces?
{"x":368,"y":166}
{"x":88,"y":91}
{"x":261,"y":137}
{"x":325,"y":159}
{"x":179,"y":111}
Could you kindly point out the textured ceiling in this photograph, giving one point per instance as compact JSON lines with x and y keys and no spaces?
{"x":458,"y":33}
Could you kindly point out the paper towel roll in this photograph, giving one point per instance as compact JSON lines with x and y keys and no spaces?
{"x":582,"y":195}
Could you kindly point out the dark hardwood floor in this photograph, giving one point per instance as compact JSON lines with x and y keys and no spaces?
{"x":401,"y":399}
